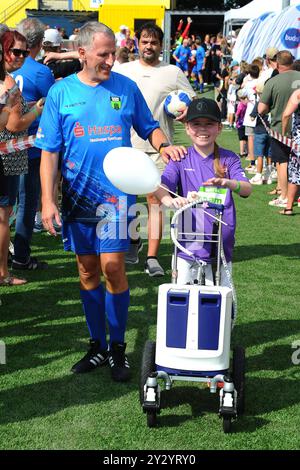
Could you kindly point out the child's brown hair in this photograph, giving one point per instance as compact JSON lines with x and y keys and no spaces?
{"x":219,"y":169}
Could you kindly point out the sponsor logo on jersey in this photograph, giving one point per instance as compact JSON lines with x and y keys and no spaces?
{"x":79,"y":130}
{"x":115,"y":102}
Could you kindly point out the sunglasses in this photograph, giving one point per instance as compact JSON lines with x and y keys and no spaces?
{"x":19,"y":52}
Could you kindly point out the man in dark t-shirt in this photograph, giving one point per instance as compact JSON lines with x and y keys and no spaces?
{"x":60,"y":68}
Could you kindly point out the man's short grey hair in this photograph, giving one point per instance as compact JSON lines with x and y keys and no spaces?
{"x":3,"y":29}
{"x":33,"y":30}
{"x":88,"y":30}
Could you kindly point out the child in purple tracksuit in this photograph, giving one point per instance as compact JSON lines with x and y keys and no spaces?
{"x":206,"y":165}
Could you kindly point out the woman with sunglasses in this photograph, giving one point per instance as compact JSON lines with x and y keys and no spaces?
{"x":14,"y":51}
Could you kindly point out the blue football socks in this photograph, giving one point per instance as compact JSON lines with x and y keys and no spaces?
{"x":94,"y":308}
{"x":117,"y":312}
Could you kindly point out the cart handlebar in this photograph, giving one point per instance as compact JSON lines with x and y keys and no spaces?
{"x":211,"y":205}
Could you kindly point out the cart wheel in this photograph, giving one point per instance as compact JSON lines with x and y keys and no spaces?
{"x":238,"y":374}
{"x":226,"y":424}
{"x":151,"y":419}
{"x":148,"y":366}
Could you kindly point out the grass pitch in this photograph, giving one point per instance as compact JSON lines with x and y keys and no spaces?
{"x":44,"y":406}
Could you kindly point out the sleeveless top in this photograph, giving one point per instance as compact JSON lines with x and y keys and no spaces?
{"x":15,"y":163}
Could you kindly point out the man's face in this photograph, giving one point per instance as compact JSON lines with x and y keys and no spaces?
{"x":99,"y":57}
{"x":149,"y":48}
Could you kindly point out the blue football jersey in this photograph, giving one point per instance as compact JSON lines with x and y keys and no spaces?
{"x":34,"y":81}
{"x":86,"y":122}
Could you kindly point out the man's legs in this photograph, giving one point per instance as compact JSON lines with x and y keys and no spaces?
{"x":155,"y":226}
{"x":282,"y":178}
{"x":29,"y":192}
{"x":201,"y":81}
{"x":117,"y":294}
{"x":116,"y":305}
{"x":280,"y":155}
{"x":152,"y":266}
{"x":114,"y":302}
{"x":93,"y":303}
{"x":92,"y":296}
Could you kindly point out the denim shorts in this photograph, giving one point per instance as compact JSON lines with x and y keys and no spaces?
{"x":262,"y":145}
{"x":93,"y":238}
{"x":12,"y":183}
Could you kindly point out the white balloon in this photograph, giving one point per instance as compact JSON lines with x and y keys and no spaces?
{"x":131,"y":171}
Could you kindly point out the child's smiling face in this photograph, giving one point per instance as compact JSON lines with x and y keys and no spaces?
{"x":203,"y":132}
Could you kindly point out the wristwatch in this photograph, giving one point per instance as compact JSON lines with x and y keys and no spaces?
{"x":163,"y":145}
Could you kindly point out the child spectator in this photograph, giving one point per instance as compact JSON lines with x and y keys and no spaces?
{"x":249,"y":85}
{"x":239,"y":119}
{"x":262,"y":142}
{"x":231,"y":93}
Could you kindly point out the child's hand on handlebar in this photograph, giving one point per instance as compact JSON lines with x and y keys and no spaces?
{"x":192,"y":196}
{"x":176,"y":202}
{"x":222,"y":182}
{"x":179,"y":202}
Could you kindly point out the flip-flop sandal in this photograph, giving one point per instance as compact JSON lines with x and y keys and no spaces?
{"x":12,"y":281}
{"x":275,"y":192}
{"x":287,"y":212}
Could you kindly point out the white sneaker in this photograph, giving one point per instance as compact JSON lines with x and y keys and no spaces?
{"x":268,"y":178}
{"x":257,"y":179}
{"x":278,"y":202}
{"x":251,"y":169}
{"x":274,"y":175}
{"x":298,"y":201}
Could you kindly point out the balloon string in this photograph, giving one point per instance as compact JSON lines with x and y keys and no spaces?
{"x":169,"y":190}
{"x":205,"y":212}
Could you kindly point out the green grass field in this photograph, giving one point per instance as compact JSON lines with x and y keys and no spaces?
{"x":44,"y":406}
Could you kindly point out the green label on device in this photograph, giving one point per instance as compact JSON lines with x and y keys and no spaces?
{"x":212,"y":194}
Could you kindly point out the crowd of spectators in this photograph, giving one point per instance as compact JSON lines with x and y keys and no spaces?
{"x":254,"y":100}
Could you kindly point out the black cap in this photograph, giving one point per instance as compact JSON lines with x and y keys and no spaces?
{"x":203,"y":108}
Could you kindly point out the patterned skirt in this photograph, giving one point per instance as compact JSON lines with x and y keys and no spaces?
{"x":294,"y":169}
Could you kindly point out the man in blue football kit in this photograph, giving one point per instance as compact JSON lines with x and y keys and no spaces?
{"x":87,"y":114}
{"x":182,"y":55}
{"x":200,"y":65}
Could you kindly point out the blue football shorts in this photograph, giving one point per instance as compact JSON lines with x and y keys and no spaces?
{"x":95,"y":238}
{"x":184,"y":66}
